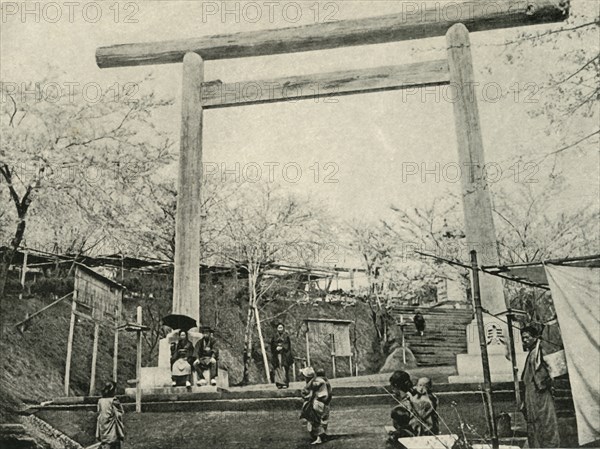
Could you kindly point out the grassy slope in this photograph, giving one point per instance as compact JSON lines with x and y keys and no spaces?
{"x":33,"y":363}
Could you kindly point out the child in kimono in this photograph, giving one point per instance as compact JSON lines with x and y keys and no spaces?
{"x":425,"y":405}
{"x":109,"y":428}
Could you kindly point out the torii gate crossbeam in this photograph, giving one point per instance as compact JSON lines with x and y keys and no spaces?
{"x":415,"y":22}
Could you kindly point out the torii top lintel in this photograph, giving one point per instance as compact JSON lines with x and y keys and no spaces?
{"x":415,"y":22}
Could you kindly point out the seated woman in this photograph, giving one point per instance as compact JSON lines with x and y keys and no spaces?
{"x":181,"y":371}
{"x":183,"y":349}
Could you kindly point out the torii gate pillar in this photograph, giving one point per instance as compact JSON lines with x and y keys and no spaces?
{"x":186,"y":280}
{"x":479,"y":223}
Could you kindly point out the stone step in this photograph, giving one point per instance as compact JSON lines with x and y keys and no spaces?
{"x":438,"y":351}
{"x":437,"y":344}
{"x":267,"y":391}
{"x":426,"y":337}
{"x":184,"y":404}
{"x":440,"y":346}
{"x":435,"y":358}
{"x":430,"y":312}
{"x":437,"y":330}
{"x":12,"y":429}
{"x":436,"y":335}
{"x":18,"y":442}
{"x":459,"y":337}
{"x":439,"y":341}
{"x":174,"y":391}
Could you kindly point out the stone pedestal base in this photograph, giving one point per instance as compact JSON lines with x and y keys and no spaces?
{"x":469,"y":366}
{"x":156,"y":377}
{"x":173,"y":390}
{"x":160,"y":376}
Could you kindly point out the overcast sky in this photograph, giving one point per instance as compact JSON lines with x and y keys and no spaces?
{"x":361,"y":141}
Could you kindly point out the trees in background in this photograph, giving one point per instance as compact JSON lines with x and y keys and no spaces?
{"x":531,"y":228}
{"x":262,"y":223}
{"x":373,"y":245}
{"x":156,"y":235}
{"x":69,"y":164}
{"x":388,"y":250}
{"x":564,"y":99}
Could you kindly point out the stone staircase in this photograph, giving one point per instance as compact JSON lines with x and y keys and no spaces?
{"x":445,"y":334}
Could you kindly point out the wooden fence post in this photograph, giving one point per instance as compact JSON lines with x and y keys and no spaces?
{"x":138,"y":364}
{"x":70,"y":345}
{"x":23,"y":273}
{"x":94,"y":358}
{"x":307,"y":347}
{"x":332,"y":338}
{"x":115,"y":354}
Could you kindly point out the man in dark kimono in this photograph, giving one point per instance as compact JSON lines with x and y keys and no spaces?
{"x":282,"y":358}
{"x":207,"y":356}
{"x":538,"y":407}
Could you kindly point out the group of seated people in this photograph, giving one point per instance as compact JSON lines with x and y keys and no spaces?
{"x":415,"y":413}
{"x":203,"y":358}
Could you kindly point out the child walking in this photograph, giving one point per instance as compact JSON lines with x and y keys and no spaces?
{"x":109,"y":429}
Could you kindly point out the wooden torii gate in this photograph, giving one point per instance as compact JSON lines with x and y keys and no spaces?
{"x":423,"y":22}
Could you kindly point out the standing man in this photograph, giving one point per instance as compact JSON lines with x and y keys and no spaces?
{"x":207,"y":356}
{"x":538,"y":407}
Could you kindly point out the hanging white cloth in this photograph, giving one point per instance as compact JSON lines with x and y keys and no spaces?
{"x":576,"y":296}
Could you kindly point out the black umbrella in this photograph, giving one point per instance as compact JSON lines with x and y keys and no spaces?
{"x":181,"y":322}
